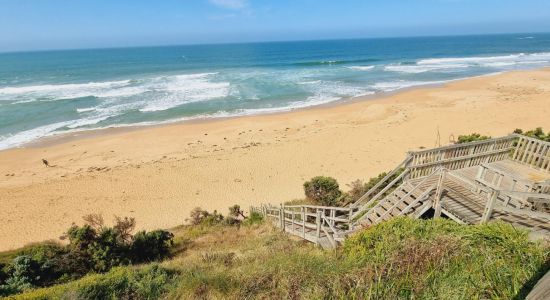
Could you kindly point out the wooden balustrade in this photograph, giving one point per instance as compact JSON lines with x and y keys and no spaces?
{"x":313,"y":223}
{"x":532,"y":152}
{"x":460,"y":156}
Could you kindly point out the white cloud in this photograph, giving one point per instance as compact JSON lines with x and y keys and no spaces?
{"x":231,"y":4}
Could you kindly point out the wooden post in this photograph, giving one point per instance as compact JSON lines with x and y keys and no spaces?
{"x":439,"y":193}
{"x":303,"y":222}
{"x":292,"y":227}
{"x":489,"y":207}
{"x":282,"y":218}
{"x":480,"y":175}
{"x":350,"y":214}
{"x":318,"y":222}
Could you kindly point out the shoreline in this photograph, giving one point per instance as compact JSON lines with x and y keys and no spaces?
{"x":65,"y":137}
{"x":158,"y":174}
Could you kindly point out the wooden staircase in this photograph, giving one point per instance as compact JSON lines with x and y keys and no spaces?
{"x":412,"y":197}
{"x":469,"y":183}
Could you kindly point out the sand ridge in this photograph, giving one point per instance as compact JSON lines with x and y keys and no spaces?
{"x":158,"y":174}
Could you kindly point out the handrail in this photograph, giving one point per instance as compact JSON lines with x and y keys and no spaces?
{"x":379,"y":194}
{"x":403,"y":164}
{"x":319,"y":207}
{"x":424,"y":194}
{"x":508,"y":175}
{"x":532,"y":152}
{"x":453,"y":159}
{"x":469,"y":144}
{"x":407,"y":195}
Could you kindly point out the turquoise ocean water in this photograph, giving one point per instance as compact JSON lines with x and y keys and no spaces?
{"x":52,"y":92}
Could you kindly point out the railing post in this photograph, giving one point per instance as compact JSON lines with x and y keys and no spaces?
{"x":292,"y":228}
{"x":350,"y":214}
{"x":439,"y":193}
{"x":489,"y":207}
{"x":282,"y":217}
{"x":318,"y":222}
{"x":303,"y":222}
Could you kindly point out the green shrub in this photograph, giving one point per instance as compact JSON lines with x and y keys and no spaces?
{"x":92,"y":247}
{"x":471,"y":138}
{"x":24,"y":274}
{"x":359,"y":188}
{"x":537,"y":133}
{"x":120,"y":283}
{"x":203,"y":217}
{"x":103,"y":249}
{"x":323,"y":190}
{"x":150,"y":246}
{"x":441,"y":259}
{"x":254,"y":218}
{"x":235,"y":211}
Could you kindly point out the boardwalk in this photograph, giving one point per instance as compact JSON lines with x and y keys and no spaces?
{"x":505,"y":178}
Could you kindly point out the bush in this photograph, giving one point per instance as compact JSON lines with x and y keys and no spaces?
{"x":254,"y":218}
{"x":24,"y":274}
{"x":235,"y":211}
{"x":359,"y":188}
{"x":537,"y":133}
{"x":103,"y":250}
{"x":150,"y":246}
{"x":323,"y":190}
{"x":199,"y":216}
{"x":120,"y":283}
{"x":471,"y":138}
{"x":92,"y":247}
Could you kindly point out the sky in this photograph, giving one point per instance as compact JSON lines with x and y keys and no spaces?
{"x":68,"y":24}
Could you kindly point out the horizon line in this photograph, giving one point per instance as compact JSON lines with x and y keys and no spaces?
{"x":265,"y":42}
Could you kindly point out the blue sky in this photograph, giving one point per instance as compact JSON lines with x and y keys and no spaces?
{"x":51,"y":24}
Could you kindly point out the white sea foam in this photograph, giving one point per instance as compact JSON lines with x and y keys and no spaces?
{"x":67,"y":91}
{"x":520,"y":57}
{"x":390,"y":86}
{"x":310,"y":82}
{"x":26,"y":136}
{"x":361,"y":68}
{"x":415,"y":69}
{"x":87,"y":109}
{"x":452,"y":64}
{"x":183,"y":89}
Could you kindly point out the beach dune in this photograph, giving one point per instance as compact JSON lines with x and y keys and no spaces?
{"x":158,"y":174}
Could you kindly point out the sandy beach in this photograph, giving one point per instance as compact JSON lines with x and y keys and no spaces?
{"x":159,"y":174}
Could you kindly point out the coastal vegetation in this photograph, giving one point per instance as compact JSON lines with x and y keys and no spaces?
{"x":399,"y":259}
{"x":92,"y":248}
{"x":474,"y":137}
{"x":537,"y":133}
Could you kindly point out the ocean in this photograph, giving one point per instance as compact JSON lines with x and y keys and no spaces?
{"x":54,"y":92}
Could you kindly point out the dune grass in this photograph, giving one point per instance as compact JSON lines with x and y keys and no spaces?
{"x":399,"y":259}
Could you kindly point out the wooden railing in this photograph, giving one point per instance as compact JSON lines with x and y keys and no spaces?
{"x":313,"y":223}
{"x":493,"y":177}
{"x":423,"y":163}
{"x":370,"y":196}
{"x":532,"y":152}
{"x":460,"y":156}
